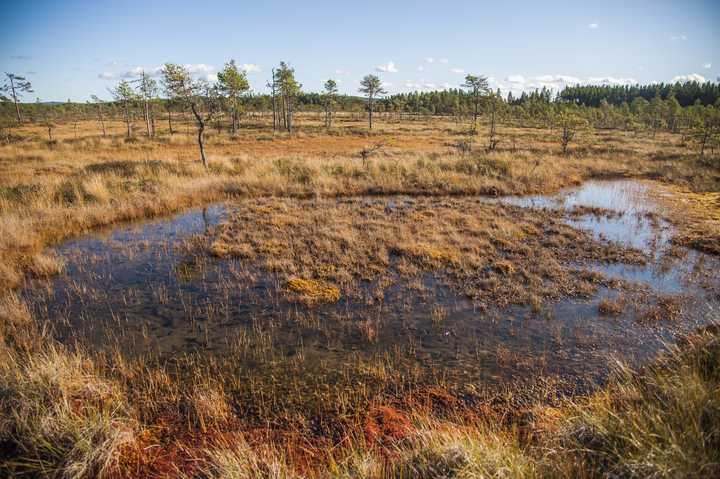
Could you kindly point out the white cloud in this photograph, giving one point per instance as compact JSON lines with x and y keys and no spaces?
{"x":250,"y":68}
{"x":423,"y":85}
{"x":459,"y":71}
{"x":386,"y":84}
{"x":515,"y":79}
{"x":421,"y":68}
{"x":199,"y":68}
{"x":689,"y":77}
{"x":593,"y":26}
{"x":610,"y":81}
{"x":707,"y":66}
{"x":444,"y":60}
{"x":678,"y":37}
{"x":135,"y":72}
{"x":429,"y":60}
{"x":519,"y":83}
{"x":389,"y":68}
{"x":570,"y":80}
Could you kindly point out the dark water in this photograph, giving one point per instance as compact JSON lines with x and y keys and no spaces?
{"x":143,"y":290}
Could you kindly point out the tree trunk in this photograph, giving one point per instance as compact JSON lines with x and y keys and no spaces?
{"x":201,"y":130}
{"x":289,"y":115}
{"x":475,"y":115}
{"x":15,"y":99}
{"x":127,"y":120}
{"x":170,"y":119}
{"x":102,"y":120}
{"x":703,"y":142}
{"x":147,"y":119}
{"x":370,"y":108}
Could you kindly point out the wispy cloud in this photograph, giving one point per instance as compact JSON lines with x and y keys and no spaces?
{"x":20,"y":57}
{"x":429,"y":60}
{"x":421,"y":85}
{"x":707,"y":66}
{"x":458,"y":71}
{"x":198,"y":70}
{"x":444,"y":61}
{"x":388,"y":68}
{"x":250,"y":68}
{"x":593,"y":26}
{"x":681,"y":37}
{"x":519,"y":79}
{"x":518,"y":83}
{"x":689,"y":77}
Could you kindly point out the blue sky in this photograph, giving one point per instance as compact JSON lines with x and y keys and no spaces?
{"x":74,"y":49}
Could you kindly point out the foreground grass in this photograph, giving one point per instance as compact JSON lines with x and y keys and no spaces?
{"x":67,"y":413}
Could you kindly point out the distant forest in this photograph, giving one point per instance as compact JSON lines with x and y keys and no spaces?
{"x":689,"y":93}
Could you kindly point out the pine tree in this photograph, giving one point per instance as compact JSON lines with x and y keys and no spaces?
{"x":478,"y":88}
{"x":125,"y":95}
{"x":371,"y":87}
{"x":16,"y":85}
{"x":232,"y":85}
{"x":331,"y":91}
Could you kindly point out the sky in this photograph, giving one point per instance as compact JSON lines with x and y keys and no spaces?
{"x":73,"y":49}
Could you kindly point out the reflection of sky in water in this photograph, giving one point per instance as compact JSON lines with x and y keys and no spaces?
{"x":636,"y":222}
{"x":629,"y":199}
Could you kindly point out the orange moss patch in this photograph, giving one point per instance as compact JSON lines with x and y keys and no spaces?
{"x":385,"y":425}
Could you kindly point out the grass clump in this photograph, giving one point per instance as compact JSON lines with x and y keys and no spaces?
{"x":312,"y":292}
{"x":664,"y":423}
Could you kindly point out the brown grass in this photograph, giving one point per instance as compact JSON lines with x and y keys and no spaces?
{"x":494,"y":254}
{"x":66,"y":412}
{"x":49,"y":192}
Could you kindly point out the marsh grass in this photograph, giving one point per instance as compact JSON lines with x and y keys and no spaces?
{"x":490,"y":253}
{"x":70,"y":412}
{"x":66,"y":414}
{"x":48,"y":193}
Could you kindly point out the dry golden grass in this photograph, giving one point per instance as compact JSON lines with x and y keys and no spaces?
{"x":69,"y":413}
{"x":355,"y":247}
{"x":50,"y":191}
{"x":312,"y":291}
